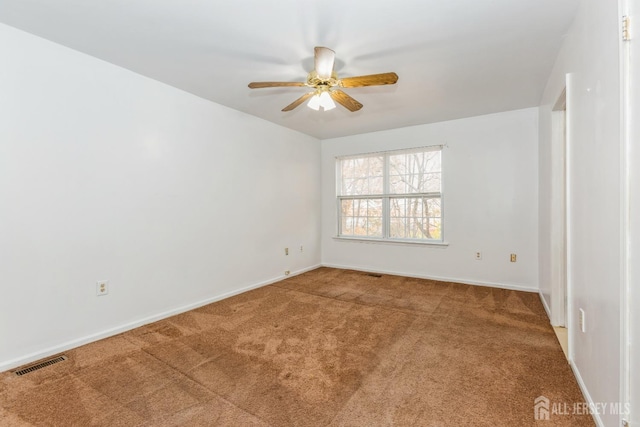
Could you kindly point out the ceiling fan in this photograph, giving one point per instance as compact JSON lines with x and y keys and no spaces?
{"x":326,"y":85}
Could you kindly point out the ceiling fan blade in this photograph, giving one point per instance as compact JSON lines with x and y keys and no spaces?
{"x":345,"y":100}
{"x":298,"y":101}
{"x":259,"y":85}
{"x":370,"y":80}
{"x":324,"y":60}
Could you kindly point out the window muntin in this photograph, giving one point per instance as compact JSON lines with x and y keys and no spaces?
{"x":394,"y":195}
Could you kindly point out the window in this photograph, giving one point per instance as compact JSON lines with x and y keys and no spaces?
{"x":395,"y":195}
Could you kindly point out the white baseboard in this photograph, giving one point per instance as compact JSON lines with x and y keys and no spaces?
{"x":585,"y":393}
{"x":545,"y":305}
{"x":41,"y":354}
{"x":515,"y":287}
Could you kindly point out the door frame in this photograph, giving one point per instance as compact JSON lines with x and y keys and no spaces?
{"x":559,"y":209}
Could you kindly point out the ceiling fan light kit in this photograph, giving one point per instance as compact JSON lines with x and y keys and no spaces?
{"x":321,"y":99}
{"x":326,"y":85}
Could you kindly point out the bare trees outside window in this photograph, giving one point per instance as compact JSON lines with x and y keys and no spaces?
{"x":394,"y":195}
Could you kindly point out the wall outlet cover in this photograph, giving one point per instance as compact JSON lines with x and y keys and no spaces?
{"x":102,"y":288}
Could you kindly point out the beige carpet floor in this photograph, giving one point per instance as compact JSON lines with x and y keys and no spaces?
{"x":327,"y":348}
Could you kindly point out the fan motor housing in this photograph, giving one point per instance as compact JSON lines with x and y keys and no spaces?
{"x":314,"y":80}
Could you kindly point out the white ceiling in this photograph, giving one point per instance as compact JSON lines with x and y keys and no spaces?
{"x":455,"y":58}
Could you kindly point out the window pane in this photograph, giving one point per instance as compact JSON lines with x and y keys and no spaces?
{"x":361,"y":217}
{"x":433,"y":207}
{"x":374,"y":207}
{"x":374,"y":226}
{"x":347,"y":208}
{"x":347,"y":225}
{"x":374,"y":217}
{"x":435,"y":228}
{"x":362,"y":176}
{"x":376,"y":185}
{"x":360,"y":207}
{"x":414,"y":218}
{"x":432,"y":183}
{"x":397,"y":228}
{"x":415,"y":172}
{"x":397,"y":185}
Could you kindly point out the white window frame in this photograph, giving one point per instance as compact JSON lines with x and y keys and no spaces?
{"x":386,"y":196}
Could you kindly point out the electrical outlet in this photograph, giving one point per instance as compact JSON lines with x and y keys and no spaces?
{"x":478,"y":255}
{"x":581,"y":321}
{"x":286,"y":251}
{"x":287,"y":272}
{"x":513,"y":257}
{"x":102,"y":288}
{"x":301,"y":248}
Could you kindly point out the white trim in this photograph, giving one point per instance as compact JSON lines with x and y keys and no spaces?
{"x":510,"y":286}
{"x":391,"y":241}
{"x":557,"y":258}
{"x":570,"y":317}
{"x":32,"y":357}
{"x":583,"y":387}
{"x":545,"y":305}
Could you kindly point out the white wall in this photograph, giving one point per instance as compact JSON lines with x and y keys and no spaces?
{"x":590,"y":54}
{"x":490,"y":188}
{"x":105,"y":174}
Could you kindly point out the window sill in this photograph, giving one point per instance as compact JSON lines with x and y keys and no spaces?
{"x":391,"y":241}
